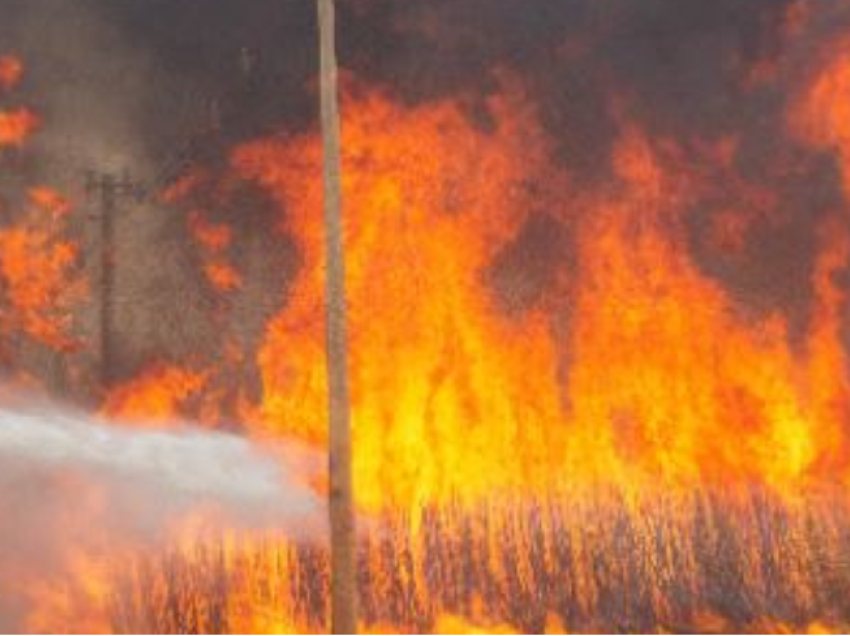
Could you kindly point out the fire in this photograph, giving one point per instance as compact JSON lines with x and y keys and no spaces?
{"x":462,"y":401}
{"x":684,"y":420}
{"x":823,"y":115}
{"x":15,"y":126}
{"x":214,"y":241}
{"x":621,"y":442}
{"x":669,"y":381}
{"x":672,"y":386}
{"x":11,"y":71}
{"x":50,"y":201}
{"x":155,"y":396}
{"x":40,"y":282}
{"x":666,"y":373}
{"x":39,"y":272}
{"x":452,"y":624}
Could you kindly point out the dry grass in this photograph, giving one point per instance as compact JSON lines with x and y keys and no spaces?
{"x":695,"y":563}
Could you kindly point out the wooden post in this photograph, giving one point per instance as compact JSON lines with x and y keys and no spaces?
{"x":106,"y":187}
{"x":109,"y":188}
{"x":340,"y":498}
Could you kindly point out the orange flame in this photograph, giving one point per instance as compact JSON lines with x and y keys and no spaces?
{"x":50,"y":201}
{"x":424,"y":329}
{"x":155,"y":396}
{"x":11,"y":71}
{"x":668,"y":381}
{"x":16,"y":126}
{"x":214,"y":240}
{"x":38,"y":269}
{"x":823,"y":115}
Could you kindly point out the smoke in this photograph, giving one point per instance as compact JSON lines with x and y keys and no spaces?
{"x":131,"y":89}
{"x":73,"y":486}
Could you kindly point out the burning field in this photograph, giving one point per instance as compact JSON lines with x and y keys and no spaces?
{"x":598,"y":289}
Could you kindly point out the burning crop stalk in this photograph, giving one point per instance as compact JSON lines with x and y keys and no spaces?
{"x":667,"y":563}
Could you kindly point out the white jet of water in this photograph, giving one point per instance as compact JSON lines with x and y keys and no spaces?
{"x":176,"y":467}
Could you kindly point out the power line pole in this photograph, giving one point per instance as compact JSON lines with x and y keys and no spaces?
{"x":109,"y":188}
{"x":340,"y":499}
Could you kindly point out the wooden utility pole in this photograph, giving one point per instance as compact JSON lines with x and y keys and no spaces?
{"x":340,"y":498}
{"x":108,"y":187}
